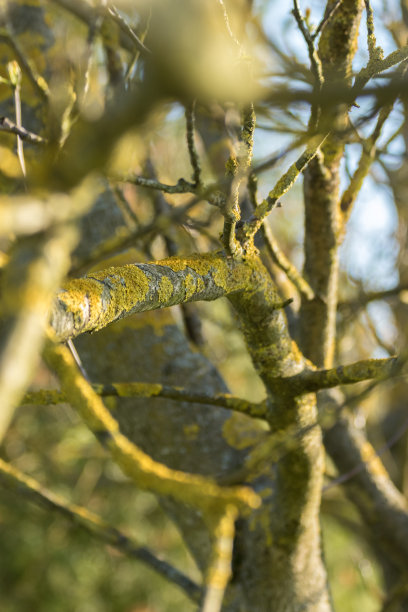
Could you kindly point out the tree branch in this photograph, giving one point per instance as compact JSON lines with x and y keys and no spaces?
{"x":367,"y":369}
{"x":92,"y":302}
{"x":198,"y":491}
{"x":28,"y":487}
{"x":136,"y":389}
{"x":8,"y":126}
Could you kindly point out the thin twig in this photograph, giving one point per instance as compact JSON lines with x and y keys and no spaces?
{"x":182,"y":186}
{"x":125,"y":27}
{"x":6,"y":125}
{"x":37,"y":81}
{"x":284,"y":264}
{"x":192,"y":151}
{"x":371,"y":40}
{"x":377,"y":453}
{"x":283,"y":185}
{"x":134,"y":389}
{"x":220,"y":567}
{"x":326,"y":20}
{"x":15,"y":80}
{"x":315,"y":62}
{"x":26,"y":486}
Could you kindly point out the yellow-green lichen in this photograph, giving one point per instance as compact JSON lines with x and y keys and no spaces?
{"x":190,"y":285}
{"x":133,"y":389}
{"x":241,"y":432}
{"x":231,"y":166}
{"x":191,"y":431}
{"x":165,"y":289}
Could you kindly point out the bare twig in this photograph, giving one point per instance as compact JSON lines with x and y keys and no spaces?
{"x":6,"y":125}
{"x":315,"y":62}
{"x":125,"y":27}
{"x":182,"y":186}
{"x":192,"y":151}
{"x":284,"y":184}
{"x":284,"y":264}
{"x":37,"y":81}
{"x":14,"y":72}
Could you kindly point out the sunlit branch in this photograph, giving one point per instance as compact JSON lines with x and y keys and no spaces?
{"x":38,"y":82}
{"x":31,"y":489}
{"x":92,"y":302}
{"x":376,"y":66}
{"x":125,"y":27}
{"x":373,"y":50}
{"x":284,"y":184}
{"x":286,"y":265}
{"x":315,"y":63}
{"x":367,"y":157}
{"x":198,"y":491}
{"x":35,"y":268}
{"x":366,"y":369}
{"x":220,"y":568}
{"x":15,"y":79}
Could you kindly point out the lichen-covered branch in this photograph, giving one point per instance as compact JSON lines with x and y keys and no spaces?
{"x":148,"y":474}
{"x":367,"y":156}
{"x":283,"y":185}
{"x":92,"y":302}
{"x":367,"y":369}
{"x":29,"y":488}
{"x":148,"y":390}
{"x":337,"y":46}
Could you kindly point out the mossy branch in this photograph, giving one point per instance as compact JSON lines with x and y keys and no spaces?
{"x":26,"y":486}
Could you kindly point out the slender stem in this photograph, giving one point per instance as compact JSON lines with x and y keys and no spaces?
{"x":26,"y":486}
{"x":135,"y":389}
{"x":6,"y":125}
{"x":192,"y":151}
